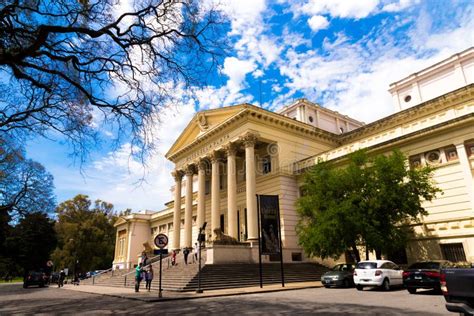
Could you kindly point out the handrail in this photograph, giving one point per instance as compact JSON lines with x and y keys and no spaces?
{"x":100,"y":273}
{"x":151,"y":263}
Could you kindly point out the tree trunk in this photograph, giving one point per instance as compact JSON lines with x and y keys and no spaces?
{"x":356,"y":251}
{"x":378,"y":254}
{"x":366,"y":251}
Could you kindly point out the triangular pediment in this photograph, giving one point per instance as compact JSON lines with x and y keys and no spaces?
{"x":202,"y":123}
{"x":120,"y":221}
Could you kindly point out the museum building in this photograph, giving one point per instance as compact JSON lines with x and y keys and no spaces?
{"x":226,"y":156}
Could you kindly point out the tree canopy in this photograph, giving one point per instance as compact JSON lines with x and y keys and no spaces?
{"x":30,"y":243}
{"x":67,"y":65}
{"x":25,"y":185}
{"x":367,"y":203}
{"x":85,"y":232}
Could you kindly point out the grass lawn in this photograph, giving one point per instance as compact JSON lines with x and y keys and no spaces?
{"x":18,"y":279}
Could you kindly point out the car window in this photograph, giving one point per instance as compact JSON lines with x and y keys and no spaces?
{"x":347,"y":267}
{"x":425,"y":265}
{"x":385,"y":265}
{"x":337,"y":267}
{"x":366,"y":265}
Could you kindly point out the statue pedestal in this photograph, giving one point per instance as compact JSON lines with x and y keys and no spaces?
{"x":225,"y":254}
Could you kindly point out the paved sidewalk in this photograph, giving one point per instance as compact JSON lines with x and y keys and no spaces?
{"x":152,"y":296}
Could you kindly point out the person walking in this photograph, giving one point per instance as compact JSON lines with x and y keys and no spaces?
{"x":149,"y":278}
{"x":62,"y":276}
{"x":138,"y":277}
{"x":186,"y":254}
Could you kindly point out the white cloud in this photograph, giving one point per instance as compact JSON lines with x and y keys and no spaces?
{"x":338,"y":8}
{"x":236,"y":70}
{"x":399,"y":5}
{"x":318,"y":22}
{"x":353,"y":77}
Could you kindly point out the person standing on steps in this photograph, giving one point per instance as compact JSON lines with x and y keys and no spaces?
{"x":186,"y":254}
{"x":138,"y":277}
{"x":173,"y":258}
{"x":149,"y":278}
{"x":196,"y":250}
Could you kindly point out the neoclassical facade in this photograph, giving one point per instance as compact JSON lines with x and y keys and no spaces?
{"x":225,"y":156}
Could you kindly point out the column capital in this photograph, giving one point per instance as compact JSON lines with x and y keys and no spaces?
{"x":215,"y":156}
{"x":201,"y":164}
{"x":249,"y":139}
{"x":231,"y":149}
{"x":177,"y":175}
{"x":190,"y":170}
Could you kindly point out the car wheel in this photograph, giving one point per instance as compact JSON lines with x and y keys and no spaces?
{"x":326,"y":286}
{"x":386,"y":285}
{"x":347,"y":283}
{"x":25,"y":286}
{"x":411,"y":290}
{"x":359,"y":287}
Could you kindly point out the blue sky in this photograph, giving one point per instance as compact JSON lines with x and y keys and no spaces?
{"x":342,"y":54}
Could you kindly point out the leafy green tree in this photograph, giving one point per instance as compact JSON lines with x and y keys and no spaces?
{"x":31,"y":242}
{"x":367,"y":202}
{"x":86,"y":234}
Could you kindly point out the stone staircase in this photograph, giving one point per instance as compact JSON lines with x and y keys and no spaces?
{"x":184,"y":278}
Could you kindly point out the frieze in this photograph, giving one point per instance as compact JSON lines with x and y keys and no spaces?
{"x":207,"y":148}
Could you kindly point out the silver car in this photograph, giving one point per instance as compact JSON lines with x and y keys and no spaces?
{"x":340,"y":275}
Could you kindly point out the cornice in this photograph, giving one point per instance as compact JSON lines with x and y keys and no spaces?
{"x":306,"y":163}
{"x":249,"y":113}
{"x":447,"y":100}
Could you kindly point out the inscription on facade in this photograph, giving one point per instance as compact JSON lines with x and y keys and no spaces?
{"x":207,"y":148}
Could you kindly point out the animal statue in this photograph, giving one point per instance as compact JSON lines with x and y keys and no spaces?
{"x":223,"y":239}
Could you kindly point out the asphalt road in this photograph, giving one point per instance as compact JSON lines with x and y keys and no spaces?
{"x":16,"y":300}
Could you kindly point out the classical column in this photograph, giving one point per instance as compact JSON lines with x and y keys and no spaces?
{"x":231,"y":150}
{"x":466,"y":170}
{"x":178,"y":176}
{"x":215,"y":194}
{"x":188,"y":208}
{"x":249,"y":141}
{"x":201,"y":206}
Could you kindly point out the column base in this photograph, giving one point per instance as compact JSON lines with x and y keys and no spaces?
{"x":253,"y":242}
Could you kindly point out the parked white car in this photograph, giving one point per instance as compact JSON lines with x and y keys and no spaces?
{"x":381,"y":273}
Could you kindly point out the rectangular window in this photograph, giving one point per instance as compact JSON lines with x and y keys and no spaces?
{"x":453,"y":252}
{"x":470,"y":148}
{"x":451,"y":153}
{"x":162,"y":228}
{"x":296,"y":256}
{"x":153,"y":230}
{"x":170,"y":226}
{"x":194,"y":220}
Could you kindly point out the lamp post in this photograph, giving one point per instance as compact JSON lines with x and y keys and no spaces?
{"x":201,"y":239}
{"x":75,"y":261}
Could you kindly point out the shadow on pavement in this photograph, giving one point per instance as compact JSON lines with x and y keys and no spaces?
{"x":60,"y":301}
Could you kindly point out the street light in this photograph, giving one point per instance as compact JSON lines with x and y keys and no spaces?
{"x":75,"y":261}
{"x":201,"y":239}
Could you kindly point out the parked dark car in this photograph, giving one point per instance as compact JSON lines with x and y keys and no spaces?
{"x":340,"y":275}
{"x":35,"y":278}
{"x":458,"y":290}
{"x":424,"y":275}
